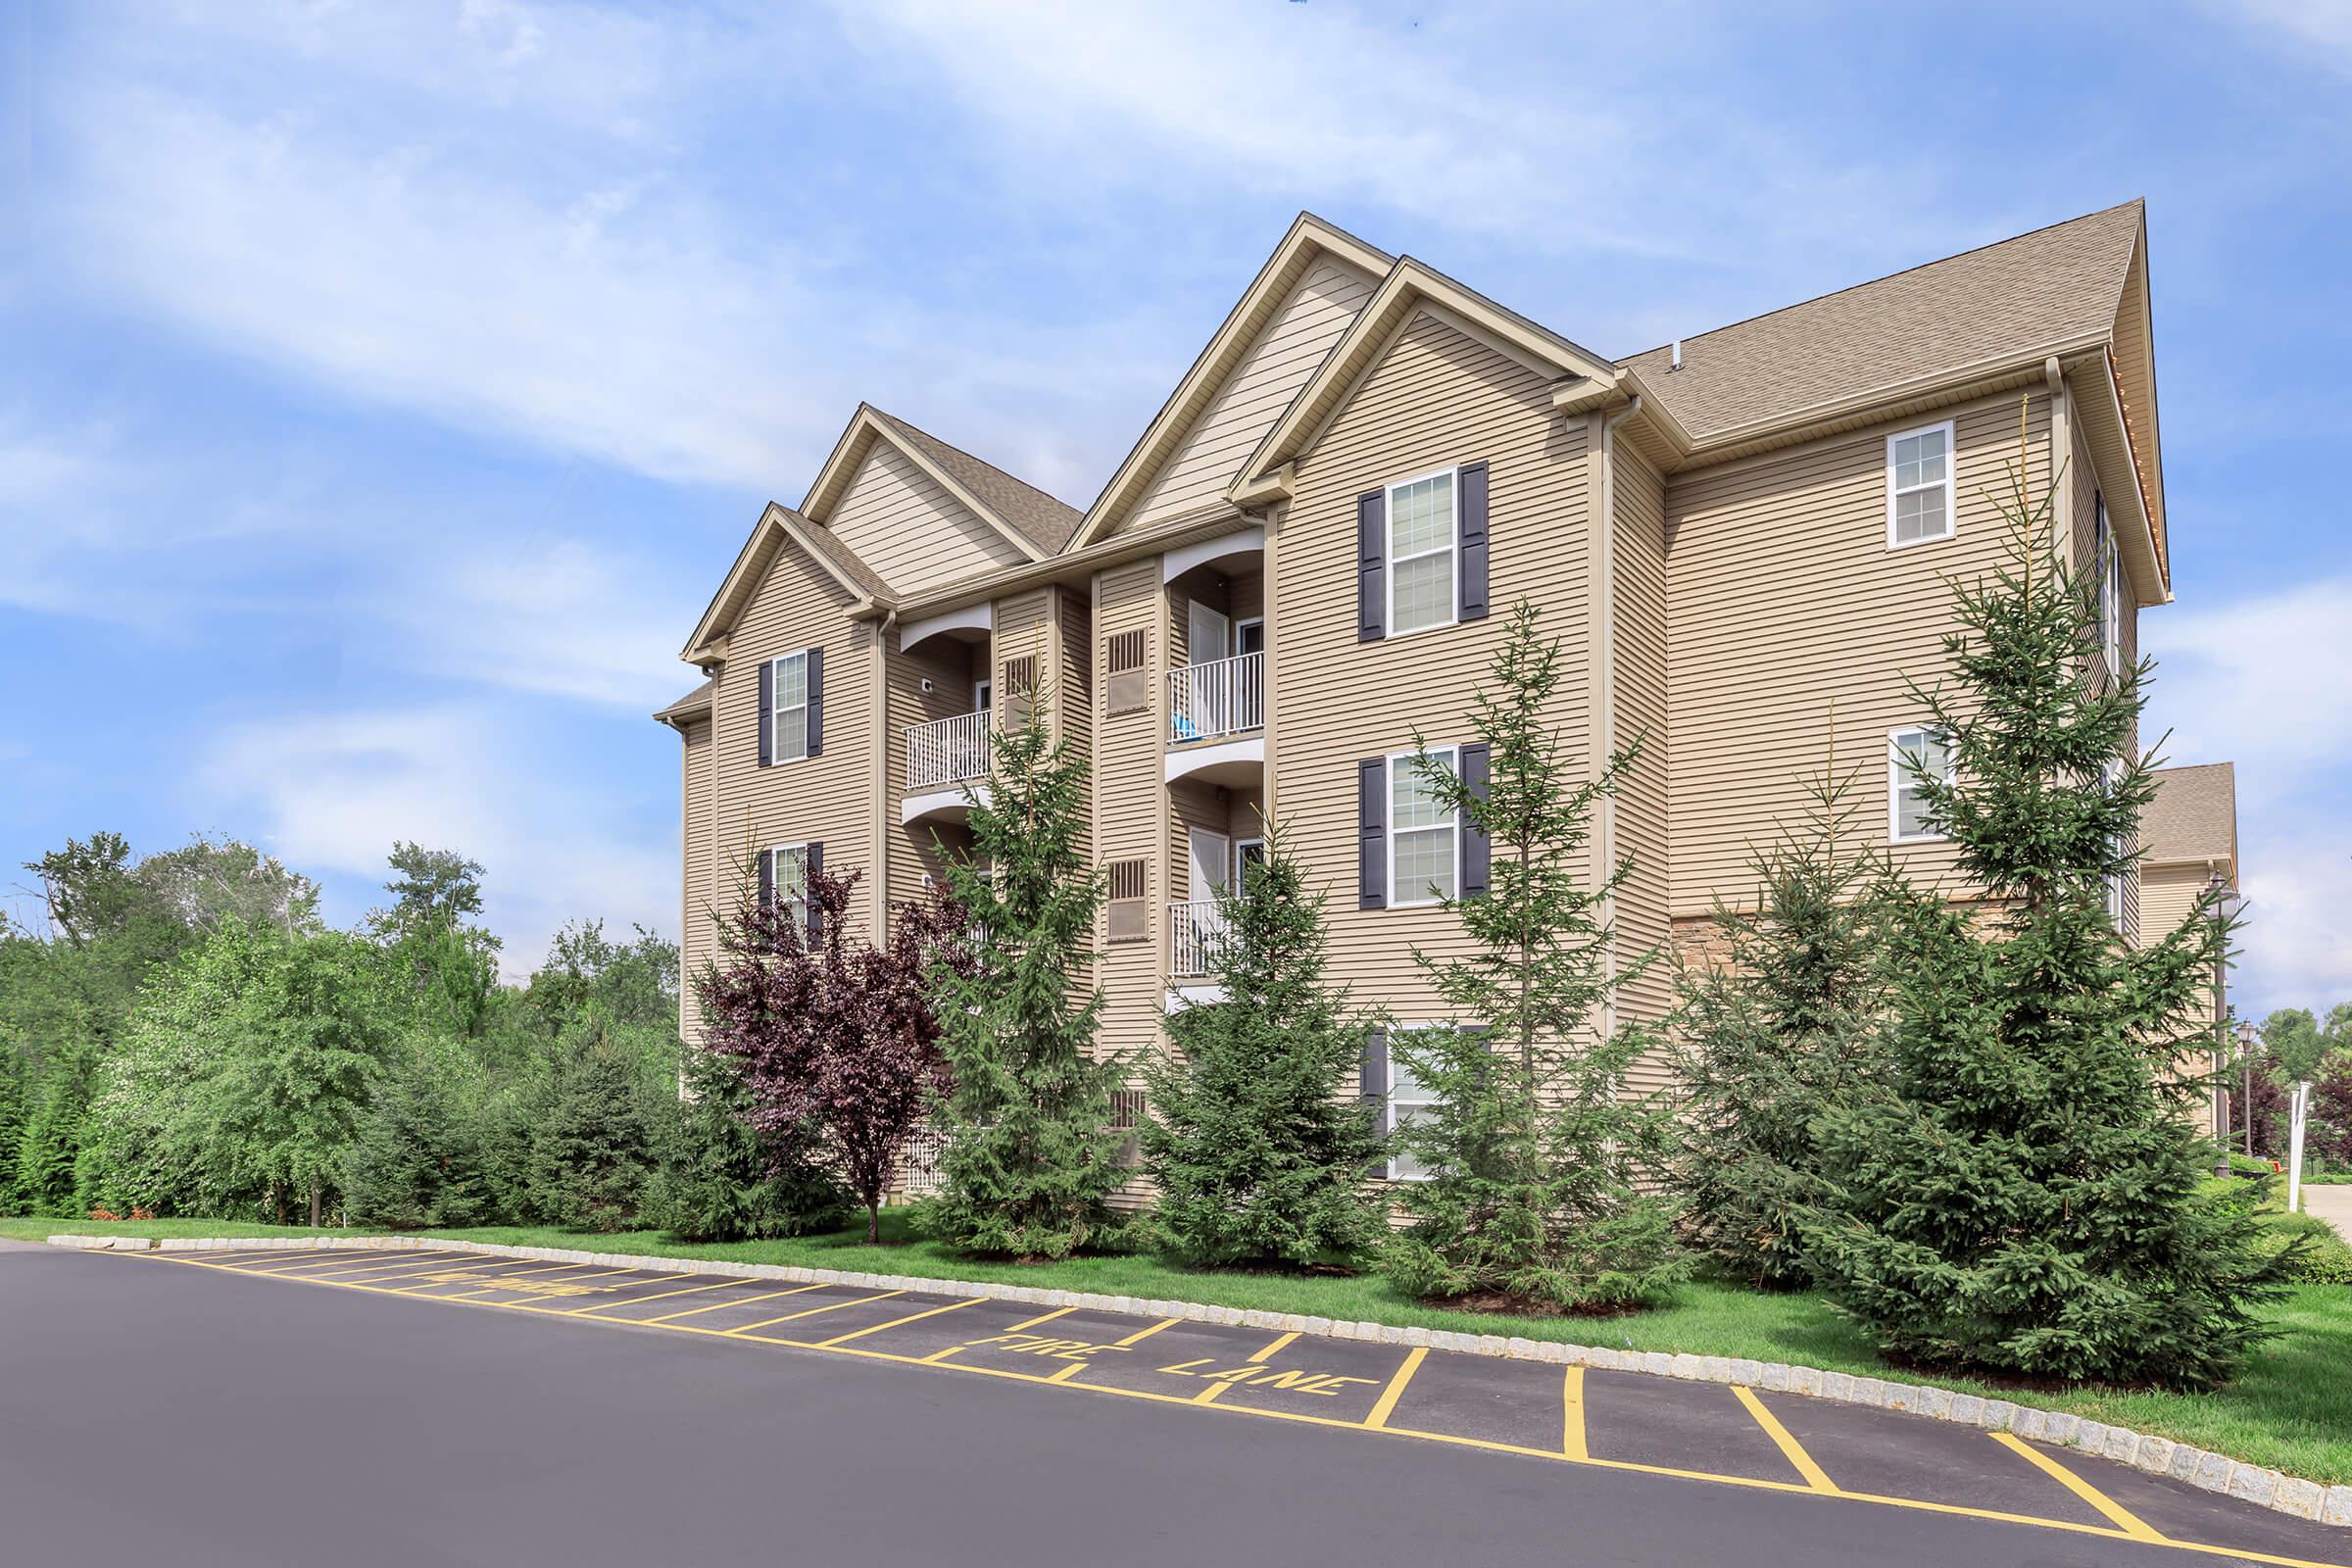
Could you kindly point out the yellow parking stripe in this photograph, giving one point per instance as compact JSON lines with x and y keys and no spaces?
{"x":376,"y":1268}
{"x":814,"y":1311}
{"x":1041,"y":1318}
{"x":1790,"y":1450}
{"x":1572,"y":1415}
{"x":1140,"y":1335}
{"x":2124,"y":1519}
{"x":657,"y":1296}
{"x":740,"y":1300}
{"x":914,"y":1317}
{"x":1914,"y":1504}
{"x":568,"y":1279}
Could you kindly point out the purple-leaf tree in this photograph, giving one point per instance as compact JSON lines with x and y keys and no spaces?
{"x":836,"y":1035}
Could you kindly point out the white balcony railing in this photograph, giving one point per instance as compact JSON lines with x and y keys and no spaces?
{"x":1223,"y":697}
{"x":1195,"y":931}
{"x":947,"y":750}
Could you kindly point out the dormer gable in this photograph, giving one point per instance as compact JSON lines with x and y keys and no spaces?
{"x":922,"y":513}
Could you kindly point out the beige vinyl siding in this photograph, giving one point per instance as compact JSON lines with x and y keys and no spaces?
{"x":1436,"y":397}
{"x":1073,"y":682}
{"x":1127,"y":800}
{"x":951,"y":666}
{"x":908,"y":528}
{"x":696,"y":939}
{"x":828,"y":798}
{"x":1786,"y":602}
{"x":1637,"y":630}
{"x":2168,"y":894}
{"x":1277,"y":364}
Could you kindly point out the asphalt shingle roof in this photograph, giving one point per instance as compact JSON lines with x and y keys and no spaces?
{"x":2195,"y":815}
{"x":1041,"y":520}
{"x":1999,"y":302}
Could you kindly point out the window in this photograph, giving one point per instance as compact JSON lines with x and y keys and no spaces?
{"x":1408,"y":1101}
{"x":1919,"y":485}
{"x":1910,"y":753}
{"x":791,"y":681}
{"x":2109,"y":776}
{"x":1422,"y":534}
{"x":788,"y":876}
{"x":2111,"y":603}
{"x":1423,"y":835}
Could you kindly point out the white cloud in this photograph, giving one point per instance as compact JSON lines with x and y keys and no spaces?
{"x":2304,"y":30}
{"x":612,"y":321}
{"x":332,"y":793}
{"x":2260,"y":683}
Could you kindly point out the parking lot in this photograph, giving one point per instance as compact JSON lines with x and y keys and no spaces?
{"x":1705,"y":1435}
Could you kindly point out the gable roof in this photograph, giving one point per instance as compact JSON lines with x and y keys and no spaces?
{"x":1307,"y":237}
{"x":869,"y":425}
{"x":1047,"y":522}
{"x":2193,"y":817}
{"x":778,"y":526}
{"x":1411,"y":288}
{"x":2038,"y":293}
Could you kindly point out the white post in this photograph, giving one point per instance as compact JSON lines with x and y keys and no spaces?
{"x":2297,"y":1104}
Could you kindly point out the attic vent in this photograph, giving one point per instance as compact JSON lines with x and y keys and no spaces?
{"x":1128,"y":1107}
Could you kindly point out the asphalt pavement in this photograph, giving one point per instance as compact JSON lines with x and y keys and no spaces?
{"x":179,"y":1408}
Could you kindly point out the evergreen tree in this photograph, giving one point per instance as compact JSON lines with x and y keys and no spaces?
{"x":1781,"y":1021}
{"x":12,"y":1119}
{"x":590,"y":1147}
{"x":50,"y":1140}
{"x":1030,"y":1158}
{"x":718,"y":1179}
{"x":1533,"y":1145}
{"x":1258,"y":1156}
{"x":2029,"y":1200}
{"x":416,"y":1156}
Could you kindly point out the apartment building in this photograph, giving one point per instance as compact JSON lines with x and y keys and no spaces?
{"x":1309,"y":557}
{"x":2188,"y":848}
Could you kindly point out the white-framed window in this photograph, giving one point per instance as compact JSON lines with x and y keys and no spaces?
{"x":2109,"y":773}
{"x":1919,"y":486}
{"x":1409,"y":1100}
{"x":790,"y":684}
{"x":1910,"y":753}
{"x":1424,"y":836}
{"x":788,"y":879}
{"x":1424,"y":537}
{"x":2111,"y":600}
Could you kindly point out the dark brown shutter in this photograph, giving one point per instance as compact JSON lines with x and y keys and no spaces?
{"x":817,"y":700}
{"x":1477,"y":855}
{"x":767,"y":712}
{"x":812,"y":861}
{"x":1373,"y":1076}
{"x":1472,"y":587}
{"x":1371,"y":566}
{"x":767,"y":879}
{"x":1372,"y":833}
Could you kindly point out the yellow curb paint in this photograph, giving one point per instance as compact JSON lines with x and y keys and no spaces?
{"x":745,"y":1300}
{"x":1067,"y":1374}
{"x":899,"y":1322}
{"x":1140,"y":1335}
{"x":1572,"y":1416}
{"x":2124,"y":1519}
{"x":1790,"y":1450}
{"x":814,"y":1311}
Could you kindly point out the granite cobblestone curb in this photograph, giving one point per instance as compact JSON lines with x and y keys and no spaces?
{"x":2154,"y":1456}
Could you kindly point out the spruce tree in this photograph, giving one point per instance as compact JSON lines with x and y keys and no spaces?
{"x":2030,"y":1198}
{"x":416,"y":1156}
{"x":717,"y":1178}
{"x":1257,"y":1155}
{"x":1782,"y":1020}
{"x":1534,"y":1144}
{"x":1029,"y":1160}
{"x":591,"y":1145}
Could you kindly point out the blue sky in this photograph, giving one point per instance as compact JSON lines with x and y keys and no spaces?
{"x":383,"y":388}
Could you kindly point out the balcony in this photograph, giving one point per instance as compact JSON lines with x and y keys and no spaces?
{"x":1194,"y":930}
{"x":945,"y":761}
{"x":1217,"y":721}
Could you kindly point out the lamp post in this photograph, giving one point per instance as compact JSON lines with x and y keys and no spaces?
{"x":2245,"y":1060}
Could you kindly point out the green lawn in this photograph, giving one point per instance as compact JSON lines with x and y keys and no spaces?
{"x":2290,"y":1408}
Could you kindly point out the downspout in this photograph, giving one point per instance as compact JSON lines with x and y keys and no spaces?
{"x":880,"y":859}
{"x":1603,"y":589}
